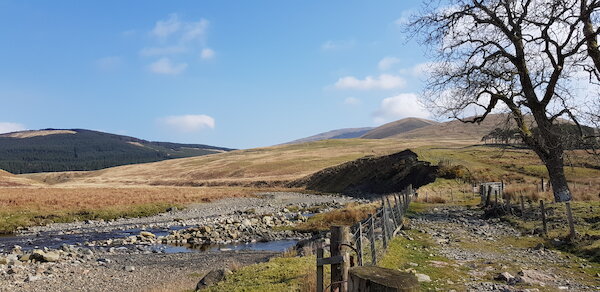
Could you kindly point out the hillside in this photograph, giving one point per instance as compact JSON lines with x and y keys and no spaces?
{"x":397,"y":127}
{"x":347,"y":133}
{"x":10,"y":180}
{"x":77,"y":149}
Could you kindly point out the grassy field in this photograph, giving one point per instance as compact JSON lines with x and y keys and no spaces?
{"x":143,"y":189}
{"x":41,"y":205}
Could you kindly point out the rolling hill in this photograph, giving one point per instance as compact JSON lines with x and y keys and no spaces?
{"x":78,"y":149}
{"x":347,"y":133}
{"x":457,"y":130}
{"x":397,"y":127}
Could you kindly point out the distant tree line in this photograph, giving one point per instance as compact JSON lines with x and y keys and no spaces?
{"x":88,"y":150}
{"x":575,"y":137}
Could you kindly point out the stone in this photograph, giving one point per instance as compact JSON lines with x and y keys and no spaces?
{"x":213,"y":277}
{"x":25,"y":257}
{"x":533,"y":277}
{"x":147,"y":234}
{"x":423,"y":278}
{"x":3,"y":261}
{"x":506,"y":277}
{"x":32,"y":278}
{"x":129,"y":268}
{"x":539,"y":246}
{"x":51,"y":256}
{"x":246,"y":223}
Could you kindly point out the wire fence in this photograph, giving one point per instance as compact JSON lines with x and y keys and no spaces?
{"x":368,"y":239}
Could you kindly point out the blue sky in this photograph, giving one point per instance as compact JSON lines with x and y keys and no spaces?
{"x":239,"y":74}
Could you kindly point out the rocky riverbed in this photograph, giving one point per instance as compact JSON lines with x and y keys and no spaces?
{"x":137,"y":252}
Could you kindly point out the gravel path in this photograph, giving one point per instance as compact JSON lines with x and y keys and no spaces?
{"x":488,"y":248}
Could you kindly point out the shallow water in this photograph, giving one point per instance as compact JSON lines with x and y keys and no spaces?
{"x":54,"y":240}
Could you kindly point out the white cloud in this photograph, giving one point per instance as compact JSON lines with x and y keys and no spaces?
{"x":400,"y":106}
{"x":387,"y":63}
{"x":189,"y":123}
{"x":6,"y":127}
{"x":207,"y":54}
{"x":166,"y":66}
{"x":404,"y":17}
{"x":352,"y":101}
{"x":165,"y":28}
{"x":383,"y":81}
{"x":194,"y":30}
{"x":332,"y":45}
{"x":108,"y":63}
{"x":159,"y":51}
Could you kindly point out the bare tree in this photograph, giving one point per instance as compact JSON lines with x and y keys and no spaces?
{"x":524,"y":57}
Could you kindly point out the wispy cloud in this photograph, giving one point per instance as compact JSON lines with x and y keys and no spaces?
{"x":166,"y":66}
{"x":161,"y":51}
{"x":332,"y":45}
{"x":352,"y":101}
{"x":383,"y":81}
{"x":165,"y":28}
{"x":7,"y":127}
{"x":207,"y":54}
{"x":179,"y":39}
{"x":188,"y":123}
{"x":387,"y":63}
{"x":400,"y":106}
{"x":110,"y":63}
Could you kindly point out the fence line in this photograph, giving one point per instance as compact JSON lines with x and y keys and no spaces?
{"x":370,"y":236}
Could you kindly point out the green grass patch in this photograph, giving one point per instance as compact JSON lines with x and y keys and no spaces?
{"x":402,"y":254}
{"x":279,"y":274}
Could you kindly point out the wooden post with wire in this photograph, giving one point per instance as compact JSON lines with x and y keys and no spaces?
{"x":543,"y":211}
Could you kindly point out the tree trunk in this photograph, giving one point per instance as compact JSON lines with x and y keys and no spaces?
{"x":556,"y":170}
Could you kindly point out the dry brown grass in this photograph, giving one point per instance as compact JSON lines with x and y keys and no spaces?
{"x":39,"y":206}
{"x":242,"y":167}
{"x":348,"y":215}
{"x":74,"y":199}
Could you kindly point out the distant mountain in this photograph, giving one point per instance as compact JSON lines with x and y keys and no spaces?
{"x":78,"y":149}
{"x":398,"y":127}
{"x":457,"y":130}
{"x":348,"y":133}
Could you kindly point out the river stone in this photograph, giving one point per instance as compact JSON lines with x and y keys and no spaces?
{"x":423,"y":278}
{"x":246,"y":223}
{"x":25,"y":257}
{"x":533,"y":277}
{"x":3,"y":261}
{"x":147,"y":234}
{"x":213,"y":277}
{"x":129,"y":268}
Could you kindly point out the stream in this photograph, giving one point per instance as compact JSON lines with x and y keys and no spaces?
{"x":54,"y":240}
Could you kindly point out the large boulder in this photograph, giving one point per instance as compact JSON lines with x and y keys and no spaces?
{"x":212,"y":278}
{"x":372,"y":175}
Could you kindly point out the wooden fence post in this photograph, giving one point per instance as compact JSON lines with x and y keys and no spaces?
{"x":495,"y":198}
{"x":572,"y":233}
{"x":384,"y":227}
{"x":339,"y":271}
{"x":543,"y":185}
{"x":359,"y":245}
{"x":543,"y":210}
{"x":399,"y":209}
{"x":393,"y":213}
{"x":488,"y":196}
{"x":522,"y":206}
{"x":372,"y":239}
{"x":320,"y":274}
